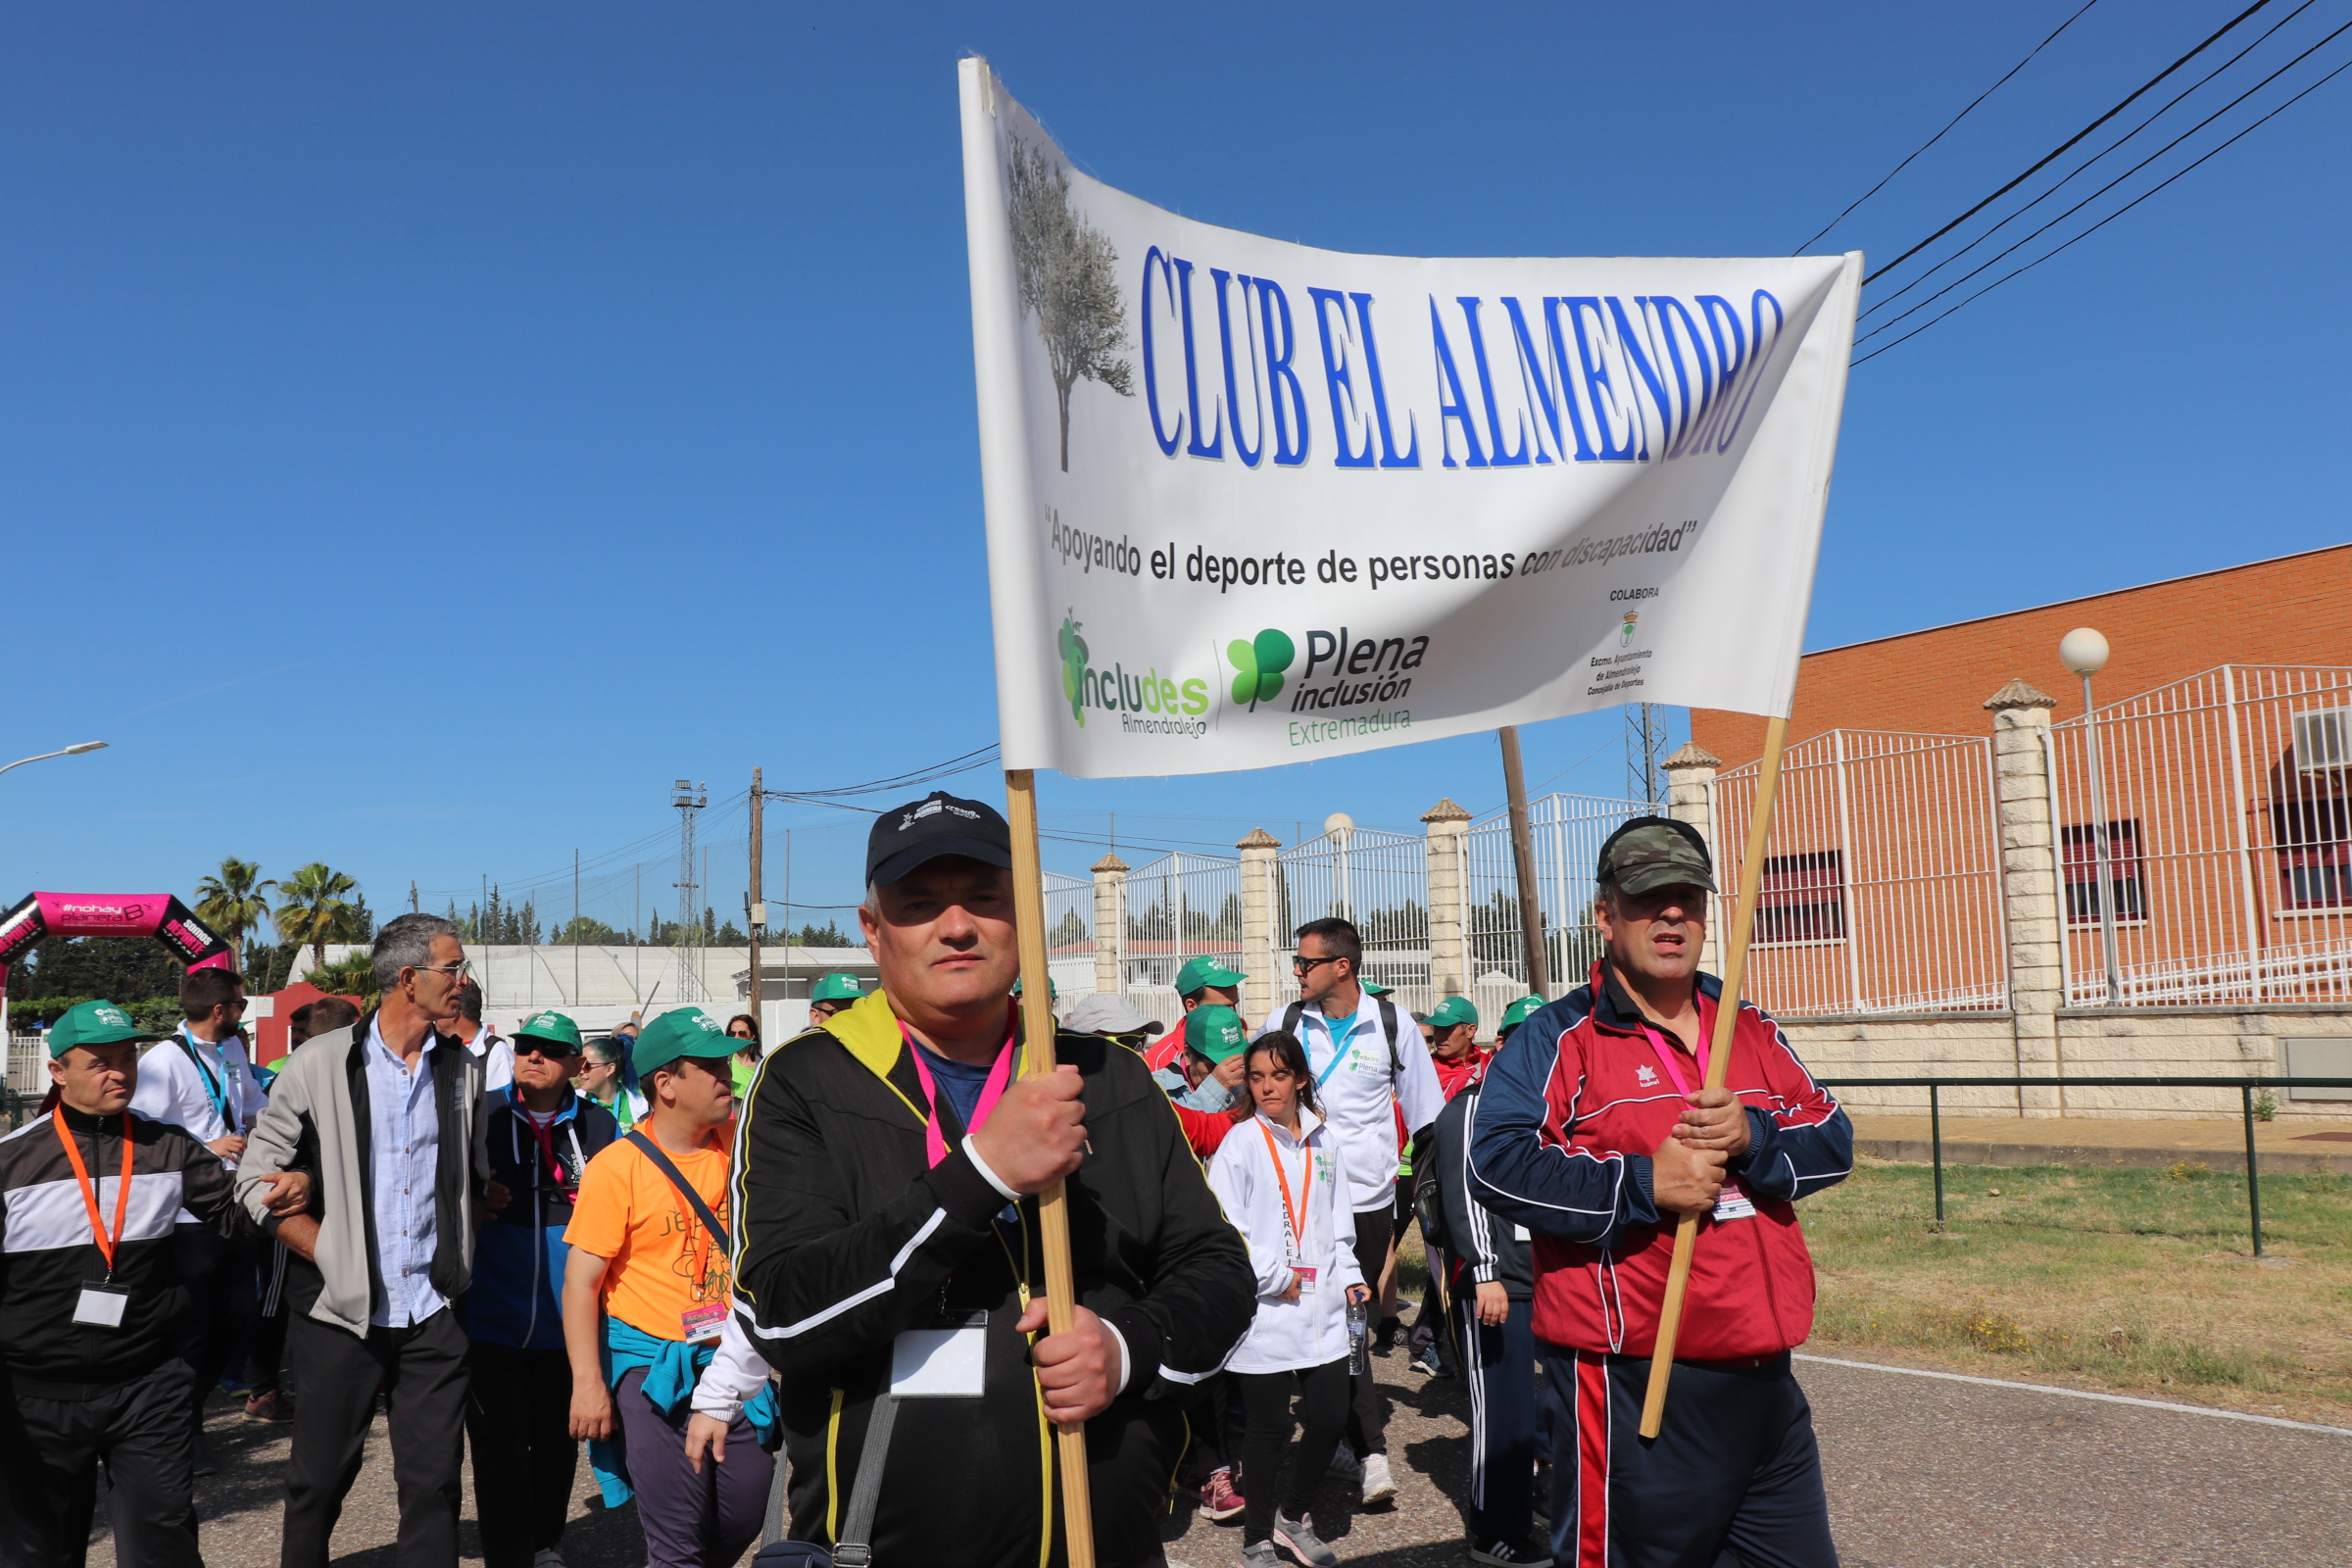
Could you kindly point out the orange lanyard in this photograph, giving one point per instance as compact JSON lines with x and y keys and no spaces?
{"x":89,"y":1195}
{"x":1296,"y":1216}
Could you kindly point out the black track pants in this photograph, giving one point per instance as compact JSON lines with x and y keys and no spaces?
{"x":50,"y":1451}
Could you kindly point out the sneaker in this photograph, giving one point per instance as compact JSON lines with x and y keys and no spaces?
{"x":270,"y":1404}
{"x":1218,"y":1500}
{"x":1383,"y":1338}
{"x":1426,"y":1364}
{"x":1345,"y":1466}
{"x":548,"y":1557}
{"x":1259,"y":1554}
{"x":1298,"y":1537}
{"x":1378,"y":1486}
{"x":1525,"y":1552}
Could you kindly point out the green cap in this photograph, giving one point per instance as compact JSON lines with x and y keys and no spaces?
{"x":836,"y":987}
{"x":1453,"y":1011}
{"x":554,"y":1028}
{"x":1200,"y":972}
{"x":1053,"y":991}
{"x":680,"y":1032}
{"x":1518,"y":1013}
{"x":93,"y":1023}
{"x":1215,"y":1032}
{"x":1656,"y":851}
{"x":1371,"y":990}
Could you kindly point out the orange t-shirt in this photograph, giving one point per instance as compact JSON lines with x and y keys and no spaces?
{"x":663,"y":1263}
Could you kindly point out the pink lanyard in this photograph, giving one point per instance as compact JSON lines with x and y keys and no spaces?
{"x":1666,"y":1054}
{"x":1000,"y":1078}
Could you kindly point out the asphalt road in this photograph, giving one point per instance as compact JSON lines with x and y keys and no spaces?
{"x":1922,"y":1474}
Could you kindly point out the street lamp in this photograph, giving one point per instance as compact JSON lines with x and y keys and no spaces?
{"x":2084,"y":652}
{"x":71,"y":751}
{"x":1337,"y":828}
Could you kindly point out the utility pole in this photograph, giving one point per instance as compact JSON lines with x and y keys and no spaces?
{"x":575,"y":928}
{"x":1645,"y":752}
{"x":1523,"y":865}
{"x":754,"y":900}
{"x":689,"y":799}
{"x":411,"y":895}
{"x":788,"y":912}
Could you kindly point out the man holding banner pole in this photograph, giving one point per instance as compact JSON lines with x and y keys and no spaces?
{"x":1594,"y":1133}
{"x":891,"y":1255}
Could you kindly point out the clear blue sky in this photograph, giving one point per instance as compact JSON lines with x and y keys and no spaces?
{"x":427,"y":430}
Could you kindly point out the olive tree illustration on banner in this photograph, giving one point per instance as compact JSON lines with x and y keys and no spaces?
{"x":1067,"y":273}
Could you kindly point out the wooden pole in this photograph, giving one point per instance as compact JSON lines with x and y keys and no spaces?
{"x":1719,"y":1066}
{"x":753,"y":906}
{"x":1523,"y":861}
{"x":1053,"y":1210}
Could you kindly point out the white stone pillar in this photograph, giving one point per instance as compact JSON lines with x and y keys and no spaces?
{"x":1690,"y":798}
{"x":2020,"y":719}
{"x":1110,"y":921}
{"x":1449,"y":943}
{"x":1257,"y":923}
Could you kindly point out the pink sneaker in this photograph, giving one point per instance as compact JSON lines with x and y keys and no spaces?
{"x":1218,"y":1500}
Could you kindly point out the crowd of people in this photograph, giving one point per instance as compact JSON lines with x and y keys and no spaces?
{"x":801,"y":1291}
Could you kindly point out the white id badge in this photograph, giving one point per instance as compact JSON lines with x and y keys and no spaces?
{"x":941,"y":1363}
{"x":101,"y":1308}
{"x":1732,"y":1203}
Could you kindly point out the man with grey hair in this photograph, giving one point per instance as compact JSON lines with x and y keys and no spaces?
{"x":381,"y":1114}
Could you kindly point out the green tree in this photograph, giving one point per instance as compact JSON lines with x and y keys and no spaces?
{"x":588,"y":932}
{"x":232,"y":904}
{"x":316,"y":907}
{"x":351,"y":975}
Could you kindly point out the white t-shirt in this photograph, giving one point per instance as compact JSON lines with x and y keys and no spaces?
{"x":1359,"y":1091}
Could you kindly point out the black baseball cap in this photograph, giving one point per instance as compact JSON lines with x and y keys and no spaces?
{"x":908,"y":836}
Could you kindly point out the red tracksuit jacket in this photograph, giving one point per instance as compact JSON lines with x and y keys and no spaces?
{"x":1561,"y":1142}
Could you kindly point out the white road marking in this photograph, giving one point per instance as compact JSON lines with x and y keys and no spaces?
{"x":2083,"y":1393}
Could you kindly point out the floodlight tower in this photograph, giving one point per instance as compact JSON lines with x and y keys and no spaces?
{"x":689,"y":799}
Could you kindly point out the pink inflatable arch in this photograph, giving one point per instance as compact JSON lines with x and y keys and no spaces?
{"x":159,"y":916}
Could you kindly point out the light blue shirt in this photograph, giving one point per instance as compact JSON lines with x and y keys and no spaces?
{"x":403,"y":1137}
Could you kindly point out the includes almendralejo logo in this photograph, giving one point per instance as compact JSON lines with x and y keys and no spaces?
{"x":1148,"y":702}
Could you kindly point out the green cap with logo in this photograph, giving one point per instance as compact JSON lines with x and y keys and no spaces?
{"x":555,"y":1029}
{"x":1215,"y":1032}
{"x":836,"y":987}
{"x":1518,"y":1013}
{"x":680,"y":1032}
{"x":1453,"y":1011}
{"x":1650,"y":853}
{"x":1200,"y":972}
{"x":1371,"y":990}
{"x":94,"y":1023}
{"x":1053,"y":991}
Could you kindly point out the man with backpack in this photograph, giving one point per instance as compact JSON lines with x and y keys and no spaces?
{"x":1369,"y":1065}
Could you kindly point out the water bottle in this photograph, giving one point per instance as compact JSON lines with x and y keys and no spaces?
{"x":1359,"y":1356}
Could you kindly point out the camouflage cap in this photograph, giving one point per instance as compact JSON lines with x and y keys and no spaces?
{"x":1656,"y":851}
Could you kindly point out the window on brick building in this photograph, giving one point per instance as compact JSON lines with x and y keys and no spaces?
{"x":2079,"y":852}
{"x":2316,"y":876}
{"x":1803,"y":898}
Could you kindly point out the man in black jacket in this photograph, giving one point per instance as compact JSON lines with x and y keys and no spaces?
{"x":1491,"y":1289}
{"x":885,"y":1179}
{"x":90,"y":1302}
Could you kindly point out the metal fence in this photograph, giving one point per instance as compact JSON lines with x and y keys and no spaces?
{"x":1882,"y":888}
{"x":1180,"y":907}
{"x":1566,"y":832}
{"x":2223,"y":804}
{"x":1070,"y":933}
{"x":1380,"y":880}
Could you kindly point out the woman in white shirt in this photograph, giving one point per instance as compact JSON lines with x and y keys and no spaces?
{"x":1280,"y":1178}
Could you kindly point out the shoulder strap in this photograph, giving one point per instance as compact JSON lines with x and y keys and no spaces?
{"x":1388,"y":1024}
{"x":1290,"y":1016}
{"x":702,"y":1211}
{"x":854,"y":1548}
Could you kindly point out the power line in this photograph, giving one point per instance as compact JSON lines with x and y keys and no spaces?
{"x":2119,"y":180}
{"x":2085,"y":165}
{"x":2111,"y":216}
{"x":1948,"y":125}
{"x":2062,"y":147}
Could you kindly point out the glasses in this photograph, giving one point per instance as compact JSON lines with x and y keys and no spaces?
{"x":1305,"y":965}
{"x":456,"y":971}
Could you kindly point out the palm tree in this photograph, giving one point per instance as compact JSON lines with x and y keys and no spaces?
{"x":232,"y":904}
{"x":314,"y":907}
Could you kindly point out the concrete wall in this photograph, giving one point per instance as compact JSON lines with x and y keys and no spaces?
{"x":2091,"y":1041}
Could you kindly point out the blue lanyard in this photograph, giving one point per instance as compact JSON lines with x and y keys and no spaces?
{"x":216,"y":1093}
{"x":1339,"y":1047}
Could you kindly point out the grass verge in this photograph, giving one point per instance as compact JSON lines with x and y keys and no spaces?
{"x":2136,"y":1281}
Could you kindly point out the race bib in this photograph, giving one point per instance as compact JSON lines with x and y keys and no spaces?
{"x":1306,"y":1281}
{"x":704,"y":1322}
{"x":1732,"y":1203}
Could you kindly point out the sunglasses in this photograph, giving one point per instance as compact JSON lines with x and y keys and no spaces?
{"x":1303,"y":966}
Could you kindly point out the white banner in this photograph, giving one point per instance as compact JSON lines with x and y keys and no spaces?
{"x":1252,"y":503}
